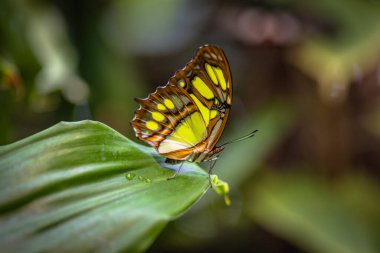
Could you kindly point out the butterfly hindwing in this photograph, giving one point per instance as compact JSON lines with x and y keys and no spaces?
{"x":187,"y":116}
{"x":160,"y":113}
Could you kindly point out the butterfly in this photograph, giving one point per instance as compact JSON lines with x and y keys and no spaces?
{"x":184,"y":119}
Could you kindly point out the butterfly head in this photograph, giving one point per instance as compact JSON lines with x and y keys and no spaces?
{"x":214,"y":154}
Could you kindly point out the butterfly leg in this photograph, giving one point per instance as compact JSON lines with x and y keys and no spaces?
{"x":212,"y":164}
{"x":177,"y":171}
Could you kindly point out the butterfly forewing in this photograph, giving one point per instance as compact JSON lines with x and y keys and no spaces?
{"x":185,"y":119}
{"x":207,"y":79}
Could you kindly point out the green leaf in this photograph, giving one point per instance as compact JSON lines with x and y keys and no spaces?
{"x":84,"y":187}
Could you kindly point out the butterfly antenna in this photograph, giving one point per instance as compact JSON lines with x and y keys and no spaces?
{"x":241,"y":138}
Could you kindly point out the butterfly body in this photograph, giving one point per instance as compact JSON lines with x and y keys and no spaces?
{"x":185,"y":118}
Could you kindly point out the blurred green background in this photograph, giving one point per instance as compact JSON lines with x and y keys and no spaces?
{"x":306,"y":74}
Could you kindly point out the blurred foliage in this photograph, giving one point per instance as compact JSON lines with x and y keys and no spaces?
{"x":347,"y":56}
{"x":306,"y":75}
{"x":318,"y":214}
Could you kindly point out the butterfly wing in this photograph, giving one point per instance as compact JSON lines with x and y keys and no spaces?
{"x":170,"y":121}
{"x":208,"y":81}
{"x":191,"y":109}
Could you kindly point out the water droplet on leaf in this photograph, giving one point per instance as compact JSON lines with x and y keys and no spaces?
{"x":130,"y":176}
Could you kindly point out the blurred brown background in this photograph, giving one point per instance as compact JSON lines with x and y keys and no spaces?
{"x":306,"y":75}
